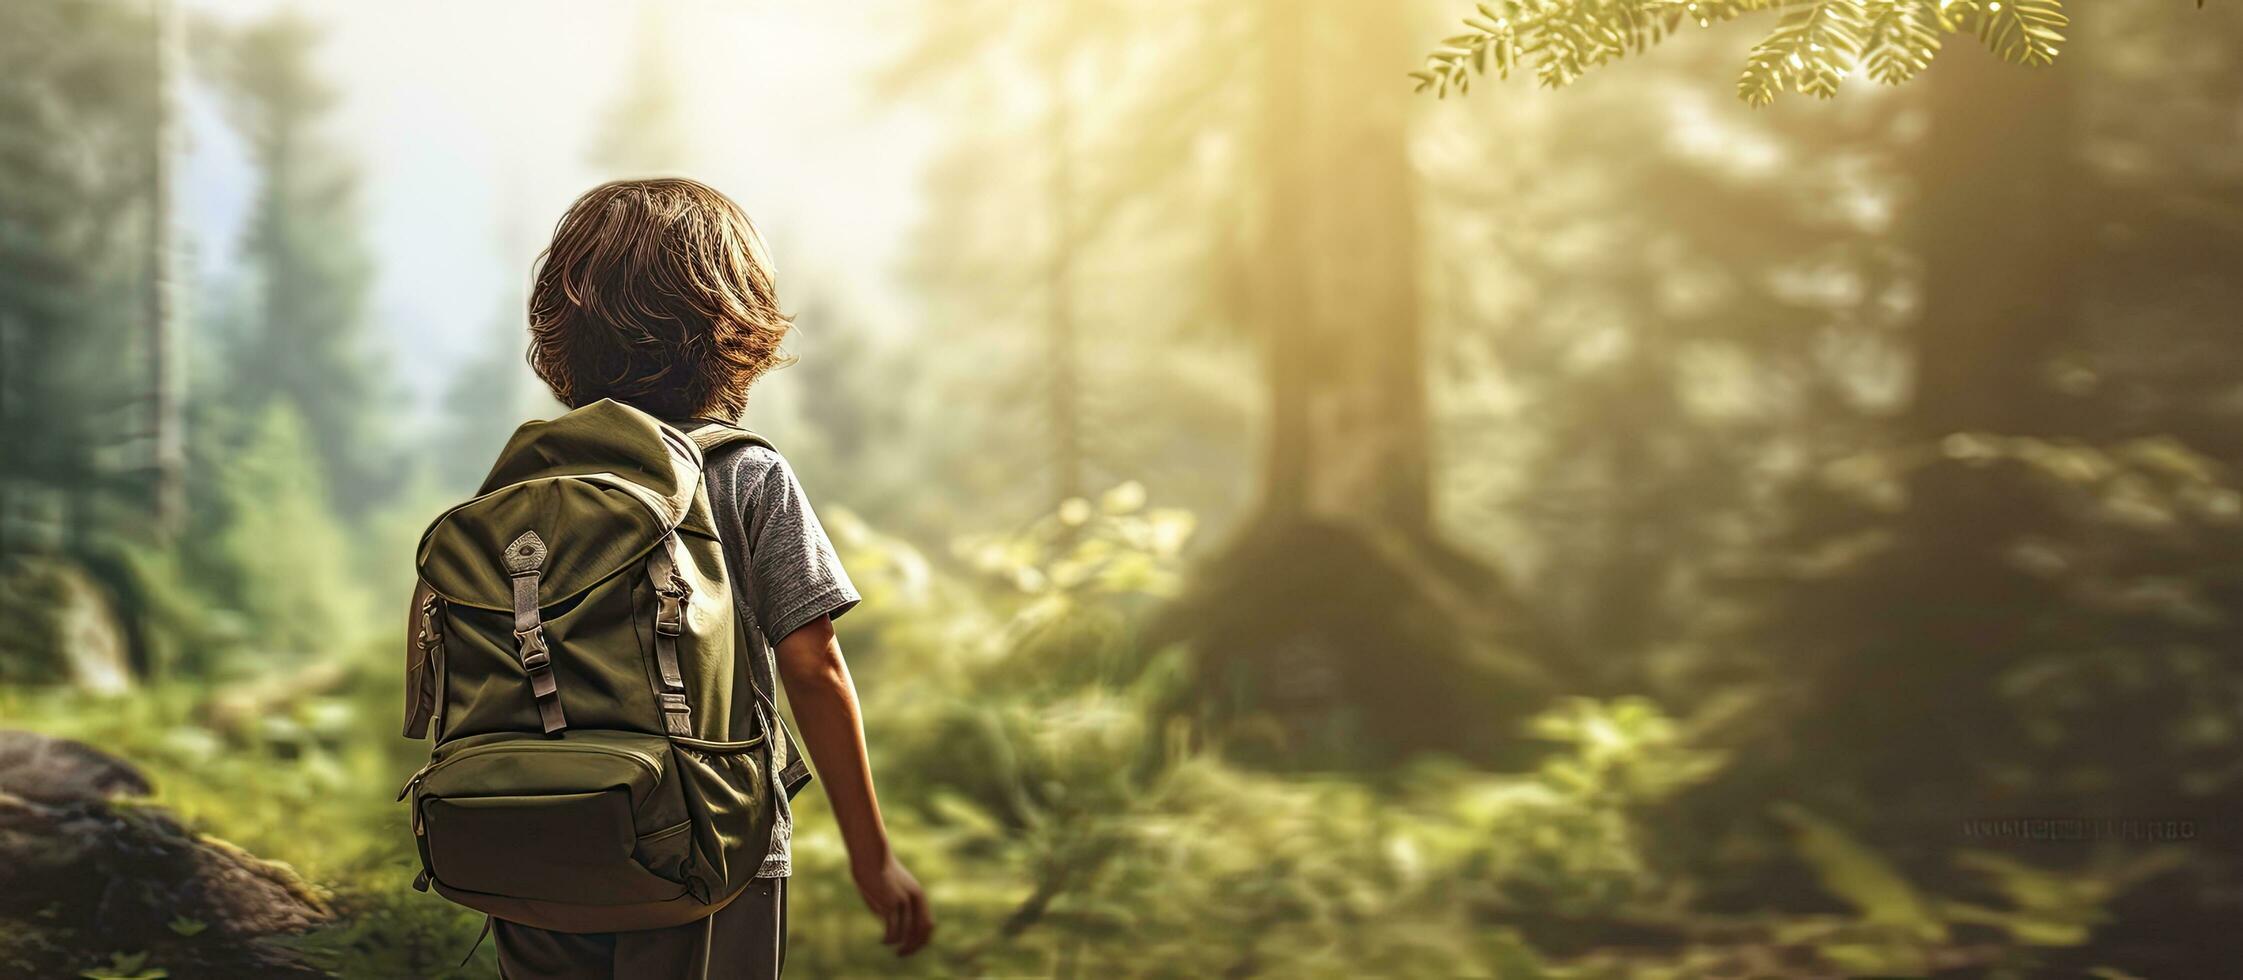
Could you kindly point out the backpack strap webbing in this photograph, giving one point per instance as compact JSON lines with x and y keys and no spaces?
{"x":524,"y":558}
{"x":424,"y":660}
{"x":669,"y":622}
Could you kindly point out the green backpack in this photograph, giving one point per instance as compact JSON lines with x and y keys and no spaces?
{"x":595,"y":767}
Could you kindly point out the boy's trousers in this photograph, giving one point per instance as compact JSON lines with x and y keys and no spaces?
{"x":746,"y":939}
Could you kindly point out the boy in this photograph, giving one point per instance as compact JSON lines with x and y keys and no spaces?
{"x":658,"y":294}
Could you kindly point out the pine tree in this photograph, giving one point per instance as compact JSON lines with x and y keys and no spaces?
{"x":73,"y":206}
{"x":305,"y":342}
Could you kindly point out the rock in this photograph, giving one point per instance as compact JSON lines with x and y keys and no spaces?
{"x":57,"y":770}
{"x":93,"y":869}
{"x":64,"y":626}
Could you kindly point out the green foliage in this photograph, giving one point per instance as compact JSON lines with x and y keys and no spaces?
{"x":126,"y":966}
{"x":30,"y":593}
{"x":1067,"y":822}
{"x":1814,"y":46}
{"x":295,"y":586}
{"x":1862,"y":878}
{"x":1901,"y":927}
{"x":191,"y":628}
{"x":1116,"y":547}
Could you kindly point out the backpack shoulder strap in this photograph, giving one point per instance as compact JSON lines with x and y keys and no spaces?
{"x":712,"y":435}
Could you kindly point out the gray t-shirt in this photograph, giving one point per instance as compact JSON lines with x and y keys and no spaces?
{"x":765,"y":522}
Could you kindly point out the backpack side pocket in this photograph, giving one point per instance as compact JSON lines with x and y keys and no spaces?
{"x":730,"y":802}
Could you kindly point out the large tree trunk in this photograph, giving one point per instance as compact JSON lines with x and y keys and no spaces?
{"x":1336,"y":305}
{"x":2001,"y":242}
{"x":1338,"y":624}
{"x":1919,"y":638}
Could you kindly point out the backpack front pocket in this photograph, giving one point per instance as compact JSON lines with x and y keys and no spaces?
{"x":591,"y":817}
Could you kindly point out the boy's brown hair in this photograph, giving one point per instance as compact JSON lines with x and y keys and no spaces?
{"x":657,"y":293}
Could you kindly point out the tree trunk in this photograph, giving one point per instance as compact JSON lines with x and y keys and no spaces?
{"x":1063,"y":338}
{"x":166,"y":441}
{"x":2000,"y":242}
{"x":1338,"y":624}
{"x":1914,"y":678}
{"x":1336,"y":306}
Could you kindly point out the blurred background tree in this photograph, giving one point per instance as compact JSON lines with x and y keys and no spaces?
{"x":301,"y":341}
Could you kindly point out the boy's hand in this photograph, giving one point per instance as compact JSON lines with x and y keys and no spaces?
{"x":895,"y":897}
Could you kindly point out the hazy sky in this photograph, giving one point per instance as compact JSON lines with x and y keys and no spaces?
{"x":471,"y":124}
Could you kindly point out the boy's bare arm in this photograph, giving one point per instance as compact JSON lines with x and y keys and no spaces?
{"x":825,"y":708}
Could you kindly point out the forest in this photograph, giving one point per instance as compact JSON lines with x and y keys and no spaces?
{"x":1636,"y":489}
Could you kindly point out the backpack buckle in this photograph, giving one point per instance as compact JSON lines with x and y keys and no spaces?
{"x":532,"y":644}
{"x":677,"y":715}
{"x":669,"y":617}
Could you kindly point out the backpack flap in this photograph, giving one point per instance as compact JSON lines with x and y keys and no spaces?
{"x":590,"y":528}
{"x":606,"y":438}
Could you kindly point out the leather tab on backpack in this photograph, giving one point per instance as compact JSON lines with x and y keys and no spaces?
{"x":524,"y":557}
{"x":525,"y":554}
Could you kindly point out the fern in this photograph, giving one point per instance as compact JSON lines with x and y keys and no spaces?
{"x":1814,"y":46}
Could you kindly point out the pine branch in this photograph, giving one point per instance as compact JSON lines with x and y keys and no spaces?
{"x":2027,"y":32}
{"x":1810,"y":52}
{"x":1814,"y":46}
{"x":1903,"y":37}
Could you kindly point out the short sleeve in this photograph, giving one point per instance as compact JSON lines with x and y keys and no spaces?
{"x":798,"y":578}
